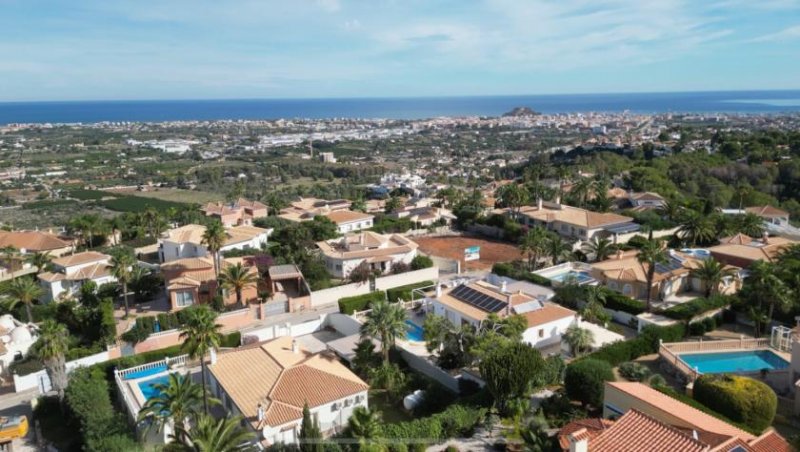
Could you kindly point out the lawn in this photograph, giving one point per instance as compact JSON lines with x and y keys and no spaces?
{"x":139,"y":204}
{"x":390,"y":412}
{"x":177,"y":195}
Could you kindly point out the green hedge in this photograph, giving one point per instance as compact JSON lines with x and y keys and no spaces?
{"x":140,"y":204}
{"x":695,"y":404}
{"x":739,"y":398}
{"x":508,"y":269}
{"x":690,"y":309}
{"x":455,"y":421}
{"x":404,"y":292}
{"x":348,"y":305}
{"x":619,"y":352}
{"x":619,"y":302}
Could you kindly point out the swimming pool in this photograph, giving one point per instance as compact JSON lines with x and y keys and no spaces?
{"x":148,"y":387}
{"x":415,"y":332}
{"x":732,"y":362}
{"x":579,"y":277}
{"x":146,"y":372}
{"x":698,"y":253}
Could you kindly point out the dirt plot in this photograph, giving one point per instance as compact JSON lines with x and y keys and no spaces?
{"x":453,"y":248}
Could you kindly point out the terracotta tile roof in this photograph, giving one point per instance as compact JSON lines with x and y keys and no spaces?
{"x":31,"y":241}
{"x":81,"y":258}
{"x":51,"y":277}
{"x":183,"y":282}
{"x":193,"y":233}
{"x":476,"y":313}
{"x":626,"y":267}
{"x":90,"y":272}
{"x":636,"y":432}
{"x":741,"y":246}
{"x":347,"y":216}
{"x":647,"y":196}
{"x":189,"y":263}
{"x":366,"y":244}
{"x":767,"y":211}
{"x":659,"y":403}
{"x":593,"y":426}
{"x":282,"y":380}
{"x":242,"y":202}
{"x":574,"y":216}
{"x":549,"y":313}
{"x":219,"y":209}
{"x":770,"y":441}
{"x":240,"y":234}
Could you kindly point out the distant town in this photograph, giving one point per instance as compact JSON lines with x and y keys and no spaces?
{"x":543,"y":282}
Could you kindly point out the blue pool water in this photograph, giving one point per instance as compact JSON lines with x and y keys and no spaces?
{"x":577,"y":276}
{"x":148,"y":387}
{"x":731,"y":362}
{"x":414,"y":332}
{"x":146,"y":372}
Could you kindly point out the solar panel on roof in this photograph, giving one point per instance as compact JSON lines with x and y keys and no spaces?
{"x":477,"y":299}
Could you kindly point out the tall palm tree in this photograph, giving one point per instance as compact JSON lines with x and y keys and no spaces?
{"x":51,"y":347}
{"x":579,"y":339}
{"x":765,"y":286}
{"x":671,"y":210}
{"x":513,"y":196}
{"x":11,"y":257}
{"x":122,"y":268}
{"x":750,"y":224}
{"x":237,"y":278}
{"x":557,"y":249}
{"x":595,"y":297}
{"x":24,"y":290}
{"x":711,"y":273}
{"x":601,"y":247}
{"x":386,"y":322}
{"x":200,"y":335}
{"x":534,"y":245}
{"x":364,"y":423}
{"x":40,"y":260}
{"x":223,"y":435}
{"x":695,"y":228}
{"x":651,"y":253}
{"x":177,"y":400}
{"x":214,"y":239}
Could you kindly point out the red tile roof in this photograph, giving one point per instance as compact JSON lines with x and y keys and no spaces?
{"x":636,"y":432}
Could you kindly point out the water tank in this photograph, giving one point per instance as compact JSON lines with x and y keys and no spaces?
{"x":413,"y":400}
{"x":21,"y":335}
{"x":7,"y":322}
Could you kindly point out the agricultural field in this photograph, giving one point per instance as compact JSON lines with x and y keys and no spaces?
{"x":139,"y":204}
{"x":173,"y":195}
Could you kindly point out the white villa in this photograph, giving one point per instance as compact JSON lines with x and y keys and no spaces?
{"x":71,"y":272}
{"x":379,"y":251}
{"x":187,"y":241}
{"x":269,"y":382}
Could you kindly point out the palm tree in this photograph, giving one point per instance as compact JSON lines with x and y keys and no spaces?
{"x":513,"y":196}
{"x":695,"y":229}
{"x":601,"y":247}
{"x":671,"y":210}
{"x":24,"y":290}
{"x":51,"y":347}
{"x":711,"y":273}
{"x":594,"y":310}
{"x":212,"y":435}
{"x":557,"y":249}
{"x":214,"y":239}
{"x":199,"y":335}
{"x":392,"y":204}
{"x":651,"y":253}
{"x":534,"y":245}
{"x":750,"y":224}
{"x":11,"y":257}
{"x":177,"y":400}
{"x":386,"y":322}
{"x":579,"y":339}
{"x":238,"y":277}
{"x":764,"y":285}
{"x":153,"y":221}
{"x":40,"y":260}
{"x":122,"y":268}
{"x":364,"y":423}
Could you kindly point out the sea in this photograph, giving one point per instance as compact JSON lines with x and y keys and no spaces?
{"x":729,"y":102}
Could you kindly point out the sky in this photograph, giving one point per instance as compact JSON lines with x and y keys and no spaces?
{"x":200,"y":49}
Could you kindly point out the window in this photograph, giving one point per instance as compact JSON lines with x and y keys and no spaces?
{"x":627,"y":289}
{"x":184,"y":298}
{"x":335,"y":407}
{"x":541,"y":332}
{"x":339,"y":267}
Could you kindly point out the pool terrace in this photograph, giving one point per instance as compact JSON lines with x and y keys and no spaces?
{"x":137,"y":384}
{"x":577,"y":272}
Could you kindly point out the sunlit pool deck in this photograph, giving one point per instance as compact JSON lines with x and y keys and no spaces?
{"x":577,"y":272}
{"x":138,"y":384}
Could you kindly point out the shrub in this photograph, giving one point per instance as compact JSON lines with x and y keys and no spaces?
{"x":741,"y":399}
{"x":348,"y":305}
{"x":634,"y":371}
{"x":552,"y":373}
{"x":419,"y":262}
{"x":456,"y":420}
{"x":584,"y":380}
{"x":404,"y":292}
{"x":665,"y":389}
{"x":231,"y":340}
{"x":619,"y":302}
{"x":693,"y":308}
{"x":509,"y":371}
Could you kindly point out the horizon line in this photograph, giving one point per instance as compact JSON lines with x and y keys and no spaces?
{"x":454,"y":96}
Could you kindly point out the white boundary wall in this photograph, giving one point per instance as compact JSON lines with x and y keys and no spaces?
{"x":332,"y":295}
{"x":41,"y":380}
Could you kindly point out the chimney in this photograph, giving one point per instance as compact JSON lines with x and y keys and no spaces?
{"x":539,"y":203}
{"x":765,"y":238}
{"x":213,"y":354}
{"x":504,"y":287}
{"x":558,"y":201}
{"x":438,"y":290}
{"x":295,"y":346}
{"x":578,"y":445}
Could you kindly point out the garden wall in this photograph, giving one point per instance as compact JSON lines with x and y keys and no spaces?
{"x":430,"y":370}
{"x":41,"y":380}
{"x":332,"y":295}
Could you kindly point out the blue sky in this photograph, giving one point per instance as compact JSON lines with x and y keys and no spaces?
{"x":183,"y":49}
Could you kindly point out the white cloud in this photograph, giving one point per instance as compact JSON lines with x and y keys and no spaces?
{"x":786,"y":34}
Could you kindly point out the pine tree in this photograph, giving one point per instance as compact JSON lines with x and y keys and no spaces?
{"x":310,"y":435}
